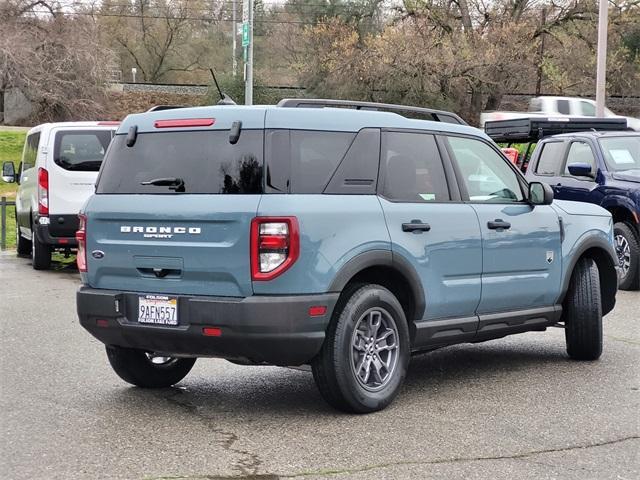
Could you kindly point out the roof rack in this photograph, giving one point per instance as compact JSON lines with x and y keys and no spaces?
{"x":429,"y":113}
{"x":532,"y":129}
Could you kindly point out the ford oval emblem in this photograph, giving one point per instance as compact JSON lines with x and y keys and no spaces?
{"x":97,"y":254}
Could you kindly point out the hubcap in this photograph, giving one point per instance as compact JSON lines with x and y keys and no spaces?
{"x":623,"y":250}
{"x":159,"y":359}
{"x":374,"y":349}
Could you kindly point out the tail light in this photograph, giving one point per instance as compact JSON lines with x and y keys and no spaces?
{"x":43,"y":191}
{"x":81,"y":237}
{"x":275,"y":246}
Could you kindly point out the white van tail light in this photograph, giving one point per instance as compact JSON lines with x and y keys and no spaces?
{"x":43,"y":191}
{"x":81,"y":237}
{"x":275,"y":246}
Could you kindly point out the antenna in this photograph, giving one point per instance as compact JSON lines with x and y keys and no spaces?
{"x":224,"y":98}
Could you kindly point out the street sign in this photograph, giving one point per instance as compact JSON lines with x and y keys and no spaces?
{"x":245,"y":34}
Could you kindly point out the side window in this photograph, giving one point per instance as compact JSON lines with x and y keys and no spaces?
{"x":580,"y":152}
{"x":487,"y":175}
{"x":309,"y":161}
{"x":550,"y":158}
{"x":412,"y":168}
{"x":31,"y":151}
{"x":314,"y":158}
{"x":587,"y":109}
{"x":563,"y":107}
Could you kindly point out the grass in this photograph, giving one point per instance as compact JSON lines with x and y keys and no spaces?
{"x":11,"y":143}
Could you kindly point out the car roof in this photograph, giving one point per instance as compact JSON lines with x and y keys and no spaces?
{"x":92,"y":125}
{"x":597,"y":134}
{"x":259,"y":116}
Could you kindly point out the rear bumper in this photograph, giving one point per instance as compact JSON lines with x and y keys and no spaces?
{"x":276,"y":330}
{"x":59,"y":232}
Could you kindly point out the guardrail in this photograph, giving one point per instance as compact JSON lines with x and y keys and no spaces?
{"x":3,"y":221}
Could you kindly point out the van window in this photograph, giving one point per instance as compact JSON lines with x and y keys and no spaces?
{"x":550,"y":159}
{"x":81,"y":150}
{"x":31,"y":151}
{"x":412,"y":168}
{"x":204,"y":161}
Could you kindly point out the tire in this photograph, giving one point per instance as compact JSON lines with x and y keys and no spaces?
{"x":628,"y":251}
{"x":40,"y":252}
{"x":23,"y":246}
{"x":138,"y":368}
{"x":583,"y":312}
{"x":334,"y":369}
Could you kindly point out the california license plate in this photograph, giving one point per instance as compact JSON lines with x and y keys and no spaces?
{"x":158,"y":310}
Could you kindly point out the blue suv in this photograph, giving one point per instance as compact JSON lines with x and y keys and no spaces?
{"x":601,"y":168}
{"x":345,"y":238}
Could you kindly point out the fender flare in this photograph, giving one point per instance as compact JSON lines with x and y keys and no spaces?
{"x":587,"y":244}
{"x":382,"y":258}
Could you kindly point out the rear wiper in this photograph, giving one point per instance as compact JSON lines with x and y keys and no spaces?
{"x":174,"y":183}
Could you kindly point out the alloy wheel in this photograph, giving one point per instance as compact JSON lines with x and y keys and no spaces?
{"x":623,"y":250}
{"x":374,"y":349}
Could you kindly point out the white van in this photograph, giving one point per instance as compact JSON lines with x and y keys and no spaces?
{"x":58,"y":171}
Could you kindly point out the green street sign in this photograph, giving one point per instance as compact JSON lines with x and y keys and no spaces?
{"x":245,"y":34}
{"x":245,"y":54}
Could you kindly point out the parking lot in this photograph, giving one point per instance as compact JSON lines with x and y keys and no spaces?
{"x":511,"y":408}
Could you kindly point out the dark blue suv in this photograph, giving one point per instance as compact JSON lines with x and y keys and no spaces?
{"x":601,"y":168}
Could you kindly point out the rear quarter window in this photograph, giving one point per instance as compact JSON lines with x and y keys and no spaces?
{"x":204,"y":160}
{"x":81,"y":150}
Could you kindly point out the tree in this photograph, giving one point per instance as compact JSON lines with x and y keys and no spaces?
{"x":56,"y":60}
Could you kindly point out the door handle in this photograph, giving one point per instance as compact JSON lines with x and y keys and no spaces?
{"x":416,"y":226}
{"x":498,"y":224}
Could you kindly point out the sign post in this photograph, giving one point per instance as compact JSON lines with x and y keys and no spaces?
{"x":247,"y":44}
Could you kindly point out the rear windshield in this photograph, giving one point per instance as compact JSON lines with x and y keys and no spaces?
{"x":81,"y":150}
{"x":200,"y":161}
{"x":622,"y":153}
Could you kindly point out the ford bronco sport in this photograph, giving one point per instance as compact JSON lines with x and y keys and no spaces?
{"x":344,"y":238}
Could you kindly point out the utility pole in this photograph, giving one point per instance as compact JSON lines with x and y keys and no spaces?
{"x":247,"y":43}
{"x":234,"y":34}
{"x":601,"y":72}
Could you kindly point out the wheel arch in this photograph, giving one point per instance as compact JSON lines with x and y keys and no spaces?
{"x":390,"y":270}
{"x":602,"y":253}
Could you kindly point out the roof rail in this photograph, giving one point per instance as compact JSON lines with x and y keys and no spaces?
{"x":431,"y":114}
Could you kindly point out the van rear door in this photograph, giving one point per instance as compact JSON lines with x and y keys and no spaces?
{"x":74,"y":156}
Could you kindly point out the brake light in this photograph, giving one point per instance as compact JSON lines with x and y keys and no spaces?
{"x":107,"y":123}
{"x":43,"y":191}
{"x":275,"y":246}
{"x":185,"y":122}
{"x":81,"y":237}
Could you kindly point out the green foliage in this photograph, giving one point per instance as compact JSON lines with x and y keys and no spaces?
{"x":11,"y":143}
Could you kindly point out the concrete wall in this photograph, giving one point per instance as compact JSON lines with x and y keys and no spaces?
{"x":17,"y":107}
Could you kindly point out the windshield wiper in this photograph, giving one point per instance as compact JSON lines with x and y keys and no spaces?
{"x":174,"y":183}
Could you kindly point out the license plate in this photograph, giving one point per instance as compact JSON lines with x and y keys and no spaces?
{"x":158,"y":309}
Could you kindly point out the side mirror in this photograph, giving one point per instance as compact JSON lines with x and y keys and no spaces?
{"x":540,"y":194}
{"x":580,"y":169}
{"x":8,"y":172}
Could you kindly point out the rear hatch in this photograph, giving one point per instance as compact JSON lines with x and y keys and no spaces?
{"x":73,"y":165}
{"x":172,"y":212}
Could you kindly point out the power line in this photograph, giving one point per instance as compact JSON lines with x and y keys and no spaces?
{"x":201,"y":19}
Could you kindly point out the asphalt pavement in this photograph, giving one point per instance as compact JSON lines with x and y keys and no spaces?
{"x":506,"y":409}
